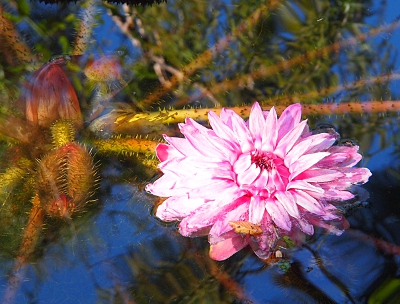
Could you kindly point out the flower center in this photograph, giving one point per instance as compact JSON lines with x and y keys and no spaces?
{"x":261,"y":173}
{"x":264,"y":161}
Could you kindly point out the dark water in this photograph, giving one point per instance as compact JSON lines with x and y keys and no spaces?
{"x":124,"y":60}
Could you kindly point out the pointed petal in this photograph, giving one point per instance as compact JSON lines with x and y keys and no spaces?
{"x":288,"y":202}
{"x":183,"y":146}
{"x":165,"y":152}
{"x":242,"y":133}
{"x":270,"y":132}
{"x":256,"y":124}
{"x":306,"y":227}
{"x":278,"y":214}
{"x":289,"y":140}
{"x":256,"y":209}
{"x":305,"y":162}
{"x":342,"y":156}
{"x":319,"y":175}
{"x":311,"y":144}
{"x":243,"y":163}
{"x":302,"y":185}
{"x":309,"y":203}
{"x":208,"y":144}
{"x":289,"y":119}
{"x":222,"y":130}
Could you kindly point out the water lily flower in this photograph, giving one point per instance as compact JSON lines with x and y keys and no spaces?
{"x":273,"y":176}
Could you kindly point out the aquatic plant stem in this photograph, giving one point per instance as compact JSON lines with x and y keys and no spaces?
{"x":126,"y":146}
{"x":315,"y":95}
{"x":133,"y":121}
{"x":29,"y":240}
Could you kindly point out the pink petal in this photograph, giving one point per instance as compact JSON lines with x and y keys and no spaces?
{"x":329,"y":227}
{"x":270,"y":132}
{"x":288,"y":202}
{"x":183,"y":146}
{"x":165,"y":152}
{"x":222,"y":130}
{"x":289,"y":118}
{"x":319,"y":175}
{"x":242,"y":133}
{"x":306,"y":201}
{"x":212,"y":189}
{"x":256,"y":124}
{"x":278,"y":214}
{"x":256,"y":209}
{"x":242,"y":164}
{"x":302,"y":185}
{"x":342,"y":156}
{"x":210,"y":212}
{"x":350,"y":176}
{"x":225,"y":249}
{"x":311,"y":144}
{"x":176,"y":208}
{"x":306,"y":227}
{"x":305,"y":162}
{"x":249,"y":176}
{"x":163,"y":186}
{"x":207,"y":144}
{"x":226,"y":116}
{"x":289,"y":140}
{"x":238,"y":214}
{"x":199,"y":127}
{"x":332,"y":194}
{"x":321,"y":142}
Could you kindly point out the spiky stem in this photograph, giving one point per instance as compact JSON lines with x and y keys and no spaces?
{"x":125,"y":146}
{"x":29,"y":240}
{"x":62,"y":132}
{"x":150,"y":120}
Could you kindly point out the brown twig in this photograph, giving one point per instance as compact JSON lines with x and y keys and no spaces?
{"x":204,"y":58}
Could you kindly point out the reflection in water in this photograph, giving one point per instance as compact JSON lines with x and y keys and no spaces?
{"x":191,"y":54}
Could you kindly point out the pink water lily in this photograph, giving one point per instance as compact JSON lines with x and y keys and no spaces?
{"x":273,"y":173}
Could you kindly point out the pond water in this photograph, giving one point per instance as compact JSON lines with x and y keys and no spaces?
{"x":87,"y":89}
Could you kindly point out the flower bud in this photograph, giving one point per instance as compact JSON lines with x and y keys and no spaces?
{"x":49,"y":95}
{"x":66,"y":180}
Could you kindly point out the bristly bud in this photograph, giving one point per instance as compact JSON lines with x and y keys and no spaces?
{"x":66,"y":180}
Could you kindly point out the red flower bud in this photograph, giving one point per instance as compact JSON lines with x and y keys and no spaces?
{"x":49,"y":95}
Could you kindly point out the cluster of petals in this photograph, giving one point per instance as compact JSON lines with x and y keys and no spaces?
{"x":273,"y":173}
